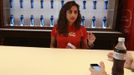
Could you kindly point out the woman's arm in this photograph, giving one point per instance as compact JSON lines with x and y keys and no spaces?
{"x":53,"y":37}
{"x":87,"y":38}
{"x":90,"y":39}
{"x":84,"y":44}
{"x":53,"y":42}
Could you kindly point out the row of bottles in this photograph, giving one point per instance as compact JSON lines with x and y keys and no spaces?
{"x":93,"y":23}
{"x":96,"y":14}
{"x":95,"y":4}
{"x":32,"y":21}
{"x":42,"y":21}
{"x":32,"y":4}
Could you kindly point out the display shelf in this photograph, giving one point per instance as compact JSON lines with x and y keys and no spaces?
{"x":96,"y":14}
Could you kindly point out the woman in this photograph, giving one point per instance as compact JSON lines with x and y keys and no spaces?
{"x":68,"y":33}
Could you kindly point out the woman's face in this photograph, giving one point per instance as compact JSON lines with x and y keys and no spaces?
{"x":72,"y":14}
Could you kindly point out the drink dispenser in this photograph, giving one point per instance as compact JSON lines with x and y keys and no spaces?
{"x":12,"y":20}
{"x":32,"y":21}
{"x":41,"y":3}
{"x":104,"y":22}
{"x":42,"y":21}
{"x":83,"y":21}
{"x":94,"y":4}
{"x":21,"y":3}
{"x":62,"y":3}
{"x":32,"y":3}
{"x":52,"y":4}
{"x":106,"y":4}
{"x":93,"y":22}
{"x":51,"y":21}
{"x":21,"y":20}
{"x":84,"y":4}
{"x":11,"y":3}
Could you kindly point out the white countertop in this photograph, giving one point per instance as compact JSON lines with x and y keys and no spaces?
{"x":50,"y":61}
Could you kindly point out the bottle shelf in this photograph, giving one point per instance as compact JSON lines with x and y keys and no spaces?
{"x":49,"y":9}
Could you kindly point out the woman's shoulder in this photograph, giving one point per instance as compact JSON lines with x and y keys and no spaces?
{"x":55,"y":26}
{"x":54,"y":31}
{"x":83,"y":28}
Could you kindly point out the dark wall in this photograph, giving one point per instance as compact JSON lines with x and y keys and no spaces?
{"x":1,"y":12}
{"x":42,"y":39}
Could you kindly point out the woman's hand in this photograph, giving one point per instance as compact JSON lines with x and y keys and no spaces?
{"x":101,"y":72}
{"x":91,"y":38}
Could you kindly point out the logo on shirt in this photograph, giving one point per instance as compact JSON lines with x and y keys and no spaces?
{"x":72,"y":34}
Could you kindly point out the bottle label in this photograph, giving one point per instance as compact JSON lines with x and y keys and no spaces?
{"x":119,"y":56}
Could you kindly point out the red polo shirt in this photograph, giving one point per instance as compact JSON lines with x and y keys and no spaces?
{"x":73,"y":37}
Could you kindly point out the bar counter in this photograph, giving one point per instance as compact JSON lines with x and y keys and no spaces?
{"x":16,"y":60}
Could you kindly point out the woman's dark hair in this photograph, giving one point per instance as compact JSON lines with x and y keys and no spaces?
{"x":62,"y":20}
